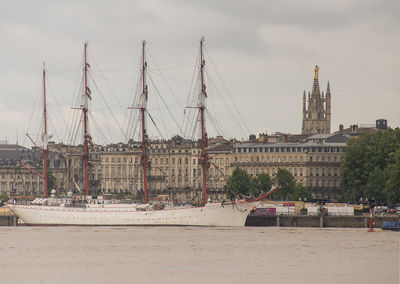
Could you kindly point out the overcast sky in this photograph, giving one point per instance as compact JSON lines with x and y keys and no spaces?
{"x":264,"y":53}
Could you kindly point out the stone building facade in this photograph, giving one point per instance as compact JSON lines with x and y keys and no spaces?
{"x":174,"y":169}
{"x":174,"y":166}
{"x":314,"y":163}
{"x":317,"y":109}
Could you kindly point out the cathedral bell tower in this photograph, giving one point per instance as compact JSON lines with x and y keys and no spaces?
{"x":317,"y":113}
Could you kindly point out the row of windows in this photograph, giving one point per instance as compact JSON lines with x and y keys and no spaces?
{"x":288,"y":149}
{"x":284,"y":159}
{"x":18,"y":176}
{"x":323,"y":183}
{"x":269,"y":159}
{"x":113,"y":185}
{"x":325,"y":171}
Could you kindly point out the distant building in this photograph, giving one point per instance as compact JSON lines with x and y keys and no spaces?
{"x":174,"y":168}
{"x":355,"y":130}
{"x":314,"y":163}
{"x":21,"y":169}
{"x":317,"y":113}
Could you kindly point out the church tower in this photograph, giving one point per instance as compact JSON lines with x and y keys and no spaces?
{"x":317,"y":113}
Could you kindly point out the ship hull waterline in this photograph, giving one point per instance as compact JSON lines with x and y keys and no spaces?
{"x":215,"y":214}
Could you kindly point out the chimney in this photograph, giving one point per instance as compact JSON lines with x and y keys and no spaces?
{"x":354,"y":128}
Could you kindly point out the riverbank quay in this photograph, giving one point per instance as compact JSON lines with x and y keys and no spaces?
{"x":321,"y":221}
{"x":7,"y":217}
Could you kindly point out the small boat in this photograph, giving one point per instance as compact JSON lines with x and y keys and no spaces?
{"x":393,"y":226}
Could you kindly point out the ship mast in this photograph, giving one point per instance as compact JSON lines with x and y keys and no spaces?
{"x":143,"y":103}
{"x":44,"y":152}
{"x":86,"y":96}
{"x":203,"y":96}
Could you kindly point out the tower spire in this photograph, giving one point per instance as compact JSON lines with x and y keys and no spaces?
{"x":328,"y":89}
{"x":317,"y":113}
{"x":328,"y":108}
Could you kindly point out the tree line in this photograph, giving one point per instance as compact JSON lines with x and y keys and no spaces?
{"x":241,"y":184}
{"x":371,"y":168}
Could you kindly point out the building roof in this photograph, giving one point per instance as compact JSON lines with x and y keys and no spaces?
{"x":328,"y":138}
{"x":307,"y":144}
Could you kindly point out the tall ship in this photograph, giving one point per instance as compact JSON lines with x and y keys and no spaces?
{"x":72,"y":210}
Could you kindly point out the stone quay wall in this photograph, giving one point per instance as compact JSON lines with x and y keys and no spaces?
{"x":318,"y":221}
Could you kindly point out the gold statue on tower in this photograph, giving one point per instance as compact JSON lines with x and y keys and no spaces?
{"x":316,"y":72}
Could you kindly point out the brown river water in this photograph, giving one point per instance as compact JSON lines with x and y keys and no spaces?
{"x":197,"y":255}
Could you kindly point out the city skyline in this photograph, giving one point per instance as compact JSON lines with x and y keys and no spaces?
{"x":264,"y":52}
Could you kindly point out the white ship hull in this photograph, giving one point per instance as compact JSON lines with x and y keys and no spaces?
{"x":213,"y":214}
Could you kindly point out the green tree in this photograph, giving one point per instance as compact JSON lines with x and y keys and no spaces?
{"x":240,"y":183}
{"x":375,"y":184}
{"x":301,"y":192}
{"x":286,"y":182}
{"x":392,"y":175}
{"x":261,"y":184}
{"x":366,"y":158}
{"x":3,"y":198}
